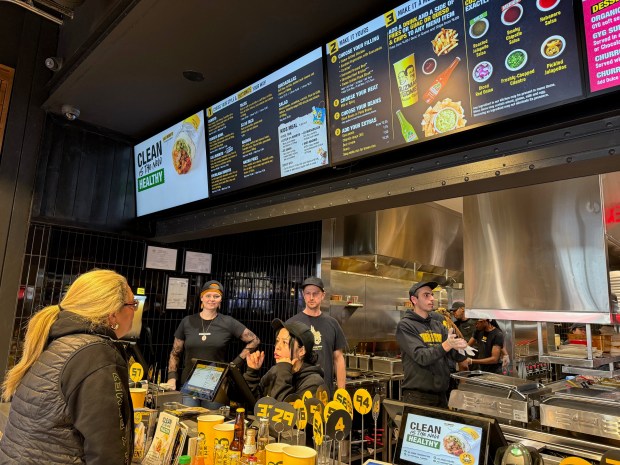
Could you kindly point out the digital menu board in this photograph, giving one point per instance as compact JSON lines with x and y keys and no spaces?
{"x":171,"y":167}
{"x":431,"y":67}
{"x":602,"y":35}
{"x":274,"y":128}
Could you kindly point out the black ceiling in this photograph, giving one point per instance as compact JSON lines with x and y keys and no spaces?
{"x":132,"y":81}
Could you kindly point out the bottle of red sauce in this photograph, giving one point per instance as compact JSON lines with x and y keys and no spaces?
{"x":440,"y":82}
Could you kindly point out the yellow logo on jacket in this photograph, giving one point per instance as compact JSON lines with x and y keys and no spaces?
{"x":432,"y":338}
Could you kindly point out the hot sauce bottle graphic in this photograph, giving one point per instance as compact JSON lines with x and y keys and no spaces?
{"x":440,"y":82}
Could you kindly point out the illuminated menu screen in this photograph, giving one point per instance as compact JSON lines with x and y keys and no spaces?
{"x":602,"y":35}
{"x":171,"y":167}
{"x":271,"y":129}
{"x":431,"y":67}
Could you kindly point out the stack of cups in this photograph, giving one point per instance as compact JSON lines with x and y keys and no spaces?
{"x":206,"y":425}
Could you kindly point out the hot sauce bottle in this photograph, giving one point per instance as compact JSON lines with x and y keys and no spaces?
{"x":440,"y":82}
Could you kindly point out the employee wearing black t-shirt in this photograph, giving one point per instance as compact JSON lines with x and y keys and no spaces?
{"x":490,"y":341}
{"x":206,"y":335}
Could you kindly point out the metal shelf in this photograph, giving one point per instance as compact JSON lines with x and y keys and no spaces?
{"x":345,"y":304}
{"x":579,"y":362}
{"x":570,"y":370}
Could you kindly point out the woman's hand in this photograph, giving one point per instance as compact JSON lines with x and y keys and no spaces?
{"x":255,"y":359}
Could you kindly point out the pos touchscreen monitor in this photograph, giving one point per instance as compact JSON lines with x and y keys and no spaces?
{"x":433,"y":435}
{"x":205,"y":379}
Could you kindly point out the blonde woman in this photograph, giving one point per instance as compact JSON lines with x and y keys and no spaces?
{"x":70,"y":390}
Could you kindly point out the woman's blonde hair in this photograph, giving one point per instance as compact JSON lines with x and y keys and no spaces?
{"x":93,"y":296}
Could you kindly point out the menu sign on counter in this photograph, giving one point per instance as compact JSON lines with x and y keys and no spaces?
{"x":431,"y":67}
{"x":602,"y":35}
{"x":171,"y":167}
{"x":274,"y":128}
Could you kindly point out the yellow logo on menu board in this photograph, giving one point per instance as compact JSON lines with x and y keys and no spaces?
{"x":333,"y":47}
{"x":390,"y":18}
{"x":209,"y":112}
{"x":244,"y":92}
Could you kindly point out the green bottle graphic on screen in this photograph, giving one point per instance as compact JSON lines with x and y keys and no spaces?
{"x":407,"y":129}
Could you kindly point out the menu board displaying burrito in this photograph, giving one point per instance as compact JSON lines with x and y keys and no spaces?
{"x":431,"y":67}
{"x":601,"y":19}
{"x":274,"y":128}
{"x":171,"y":167}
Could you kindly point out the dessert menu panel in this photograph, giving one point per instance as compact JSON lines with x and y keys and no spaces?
{"x":602,"y":36}
{"x":274,"y":128}
{"x":432,"y":67}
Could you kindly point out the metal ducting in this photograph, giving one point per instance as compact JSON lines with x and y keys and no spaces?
{"x":539,"y":253}
{"x":408,"y":243}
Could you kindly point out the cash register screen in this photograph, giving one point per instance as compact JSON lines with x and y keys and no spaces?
{"x":440,"y":436}
{"x":205,"y":379}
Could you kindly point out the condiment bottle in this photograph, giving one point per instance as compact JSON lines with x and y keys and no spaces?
{"x":220,"y":455}
{"x":233,"y":458}
{"x":263,"y":440}
{"x":249,"y":445}
{"x":185,"y":460}
{"x":406,"y":128}
{"x":237,"y":443}
{"x":199,"y":459}
{"x":440,"y":82}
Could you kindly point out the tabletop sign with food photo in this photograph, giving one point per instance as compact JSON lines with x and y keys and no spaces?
{"x":428,"y":440}
{"x":171,"y":167}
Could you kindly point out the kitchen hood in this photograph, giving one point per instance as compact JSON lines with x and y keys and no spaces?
{"x":413,"y":243}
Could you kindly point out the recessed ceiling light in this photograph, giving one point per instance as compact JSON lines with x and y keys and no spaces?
{"x":194,"y":76}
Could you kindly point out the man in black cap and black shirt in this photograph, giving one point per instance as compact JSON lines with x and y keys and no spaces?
{"x":329,"y":340}
{"x":428,"y":350}
{"x":466,"y":326}
{"x":295,"y":371}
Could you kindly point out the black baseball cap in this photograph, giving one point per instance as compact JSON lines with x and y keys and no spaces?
{"x":298,"y":330}
{"x":415,"y":287}
{"x":313,"y":281}
{"x":574,"y":326}
{"x":212,"y":286}
{"x":456,"y":305}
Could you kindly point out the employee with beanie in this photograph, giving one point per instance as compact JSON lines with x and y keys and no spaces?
{"x":206,"y":335}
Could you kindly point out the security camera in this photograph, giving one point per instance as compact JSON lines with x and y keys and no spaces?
{"x":70,"y":112}
{"x":53,"y":63}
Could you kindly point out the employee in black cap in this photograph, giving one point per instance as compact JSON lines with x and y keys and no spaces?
{"x":295,"y":371}
{"x":329,"y":340}
{"x":206,"y":335}
{"x":428,"y":349}
{"x":578,"y":328}
{"x":466,"y":326}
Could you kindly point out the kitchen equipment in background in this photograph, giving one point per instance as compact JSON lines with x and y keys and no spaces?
{"x":387,"y":365}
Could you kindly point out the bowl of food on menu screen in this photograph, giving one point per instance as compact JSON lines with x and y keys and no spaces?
{"x":429,"y":66}
{"x":479,"y":28}
{"x":552,"y":47}
{"x":546,"y":5}
{"x":446,"y":115}
{"x":512,"y":14}
{"x":482,"y":71}
{"x":516,"y":59}
{"x":182,"y":153}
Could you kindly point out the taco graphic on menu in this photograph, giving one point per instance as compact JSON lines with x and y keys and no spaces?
{"x":183,"y":152}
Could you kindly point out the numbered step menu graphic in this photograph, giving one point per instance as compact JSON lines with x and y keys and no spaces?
{"x":430,"y":67}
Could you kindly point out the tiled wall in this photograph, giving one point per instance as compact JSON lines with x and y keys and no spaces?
{"x":260,"y":271}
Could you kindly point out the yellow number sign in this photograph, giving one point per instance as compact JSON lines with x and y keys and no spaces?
{"x":362,"y":401}
{"x":342,"y":396}
{"x":136,"y":372}
{"x":317,"y":428}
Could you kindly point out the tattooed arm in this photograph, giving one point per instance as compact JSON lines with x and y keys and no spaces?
{"x":174,"y":361}
{"x":252,"y":342}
